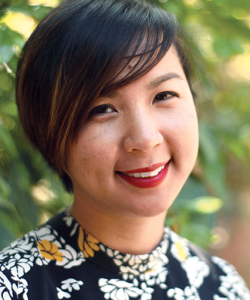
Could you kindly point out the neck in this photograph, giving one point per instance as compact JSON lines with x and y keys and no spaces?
{"x":127,"y":234}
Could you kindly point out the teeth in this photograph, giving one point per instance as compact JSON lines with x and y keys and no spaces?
{"x":146,"y":174}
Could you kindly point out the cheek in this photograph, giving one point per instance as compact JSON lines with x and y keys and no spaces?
{"x":93,"y":150}
{"x":184,"y":134}
{"x":191,"y":139}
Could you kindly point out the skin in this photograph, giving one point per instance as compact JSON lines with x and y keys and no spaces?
{"x":134,"y":130}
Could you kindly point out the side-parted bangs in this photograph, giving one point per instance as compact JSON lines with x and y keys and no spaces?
{"x":79,"y":52}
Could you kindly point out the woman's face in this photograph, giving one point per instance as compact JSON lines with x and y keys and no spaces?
{"x":138,"y":146}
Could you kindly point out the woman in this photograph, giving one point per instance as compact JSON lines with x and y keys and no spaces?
{"x":104,"y":92}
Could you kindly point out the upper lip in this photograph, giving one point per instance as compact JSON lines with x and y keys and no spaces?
{"x":148,"y":169}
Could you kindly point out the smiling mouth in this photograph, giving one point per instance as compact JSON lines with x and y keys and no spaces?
{"x":147,"y":177}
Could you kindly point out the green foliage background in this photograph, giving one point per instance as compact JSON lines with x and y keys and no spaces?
{"x":220,"y":38}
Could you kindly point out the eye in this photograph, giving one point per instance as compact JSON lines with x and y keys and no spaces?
{"x":101,"y":109}
{"x":164,"y":96}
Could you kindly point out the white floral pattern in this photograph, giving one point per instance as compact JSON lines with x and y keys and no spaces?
{"x":7,"y":288}
{"x":196,"y":270}
{"x":135,"y":265}
{"x":116,"y":289}
{"x":156,"y":277}
{"x":62,"y":294}
{"x":68,"y":285}
{"x":189,"y":293}
{"x":174,"y":270}
{"x":147,"y":292}
{"x":232,"y":285}
{"x":20,"y":287}
{"x":19,"y":265}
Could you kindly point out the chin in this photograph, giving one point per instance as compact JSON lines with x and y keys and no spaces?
{"x":152,"y":208}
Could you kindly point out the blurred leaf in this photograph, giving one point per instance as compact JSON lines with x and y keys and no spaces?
{"x":209,"y":146}
{"x":7,"y":142}
{"x":5,"y":189}
{"x":36,"y":11}
{"x":207,"y":205}
{"x":6,"y":53}
{"x":193,"y":188}
{"x":6,"y":236}
{"x":7,"y":207}
{"x":215,"y":176}
{"x":9,"y":108}
{"x":227,"y":47}
{"x":196,"y":233}
{"x":5,"y":81}
{"x":10,"y":38}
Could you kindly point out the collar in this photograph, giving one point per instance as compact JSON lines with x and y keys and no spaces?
{"x":127,"y":265}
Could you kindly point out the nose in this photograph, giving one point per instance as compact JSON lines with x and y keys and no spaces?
{"x":143,"y":132}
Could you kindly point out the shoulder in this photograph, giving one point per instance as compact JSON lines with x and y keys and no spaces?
{"x":39,"y":252}
{"x":15,"y":261}
{"x":203,"y":269}
{"x":33,"y":247}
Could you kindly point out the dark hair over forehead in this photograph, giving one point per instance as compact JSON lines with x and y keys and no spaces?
{"x":79,"y":52}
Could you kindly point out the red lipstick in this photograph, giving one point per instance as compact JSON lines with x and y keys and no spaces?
{"x":146,"y":182}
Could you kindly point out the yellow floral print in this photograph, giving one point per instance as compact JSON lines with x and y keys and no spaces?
{"x":181,"y":252}
{"x":49,"y":250}
{"x":87,"y":243}
{"x":149,"y":271}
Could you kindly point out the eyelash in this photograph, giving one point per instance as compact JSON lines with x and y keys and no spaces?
{"x":103,"y":109}
{"x":171,"y":94}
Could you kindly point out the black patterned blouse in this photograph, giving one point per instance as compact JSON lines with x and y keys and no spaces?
{"x":60,"y":260}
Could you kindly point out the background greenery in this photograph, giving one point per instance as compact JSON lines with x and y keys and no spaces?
{"x":220,"y":37}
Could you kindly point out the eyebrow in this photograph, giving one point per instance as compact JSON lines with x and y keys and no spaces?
{"x":153,"y":84}
{"x":111,"y":94}
{"x":156,"y":82}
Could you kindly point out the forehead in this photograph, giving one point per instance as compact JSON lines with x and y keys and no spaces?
{"x":131,"y":65}
{"x":169,"y":67}
{"x":139,"y":60}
